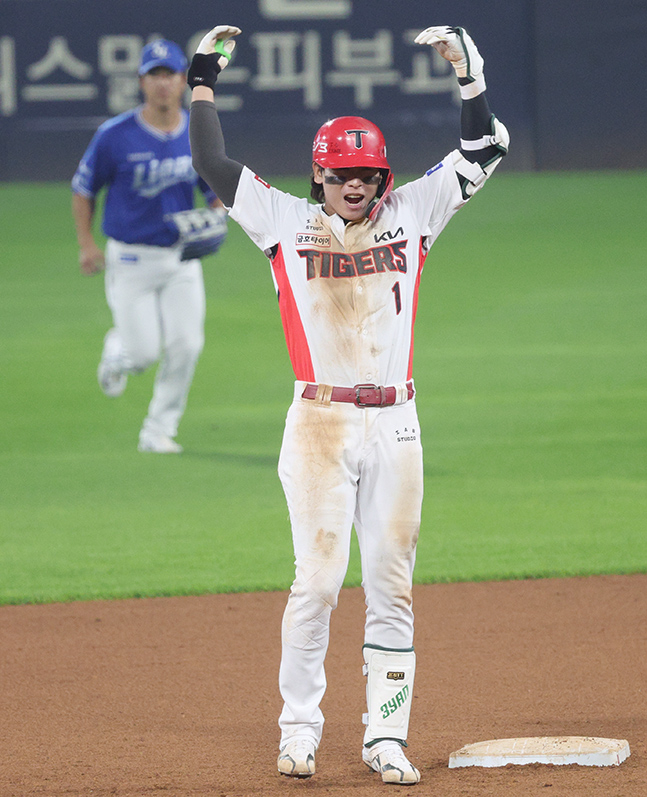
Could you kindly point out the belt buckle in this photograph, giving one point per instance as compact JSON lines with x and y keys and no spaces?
{"x":360,"y":403}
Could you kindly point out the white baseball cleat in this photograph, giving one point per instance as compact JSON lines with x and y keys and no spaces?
{"x":389,"y":760}
{"x":297,"y":759}
{"x":110,"y":374}
{"x":158,"y":444}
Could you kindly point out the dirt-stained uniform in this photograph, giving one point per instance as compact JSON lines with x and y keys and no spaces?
{"x":348,"y":296}
{"x":351,"y":452}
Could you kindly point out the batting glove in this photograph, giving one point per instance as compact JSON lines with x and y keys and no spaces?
{"x":212,"y":56}
{"x":457,"y":47}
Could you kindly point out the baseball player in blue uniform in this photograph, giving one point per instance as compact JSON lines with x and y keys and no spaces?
{"x":153,"y":274}
{"x":347,"y":271}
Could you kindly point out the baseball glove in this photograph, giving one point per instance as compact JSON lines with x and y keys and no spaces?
{"x":201,"y":231}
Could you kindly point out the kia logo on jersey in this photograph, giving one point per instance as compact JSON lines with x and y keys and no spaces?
{"x":388,"y":235}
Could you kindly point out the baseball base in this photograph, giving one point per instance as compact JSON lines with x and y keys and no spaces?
{"x":584,"y":750}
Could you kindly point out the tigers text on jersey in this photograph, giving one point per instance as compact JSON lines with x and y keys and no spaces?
{"x":149,"y":176}
{"x":348,"y":293}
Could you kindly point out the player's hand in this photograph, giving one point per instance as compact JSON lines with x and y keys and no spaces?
{"x":219,"y":40}
{"x":456,"y":46}
{"x":212,"y":56}
{"x":91,"y":260}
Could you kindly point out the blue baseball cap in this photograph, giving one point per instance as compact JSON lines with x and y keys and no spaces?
{"x":162,"y":53}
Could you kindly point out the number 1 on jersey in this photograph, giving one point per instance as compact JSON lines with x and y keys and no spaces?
{"x":398,"y":300}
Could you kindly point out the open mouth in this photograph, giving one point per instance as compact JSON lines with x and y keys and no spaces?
{"x":354,"y":200}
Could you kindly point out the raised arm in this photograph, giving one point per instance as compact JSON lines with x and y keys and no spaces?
{"x":207,"y":141}
{"x":484,"y":139}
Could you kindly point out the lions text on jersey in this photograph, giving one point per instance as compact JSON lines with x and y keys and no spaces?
{"x":149,"y":176}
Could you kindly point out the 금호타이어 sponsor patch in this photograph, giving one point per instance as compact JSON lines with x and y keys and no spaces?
{"x":311,"y":239}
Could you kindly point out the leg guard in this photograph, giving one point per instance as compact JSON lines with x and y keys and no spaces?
{"x":389,"y":689}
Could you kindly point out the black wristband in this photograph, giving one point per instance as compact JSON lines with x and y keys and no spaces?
{"x":204,"y":70}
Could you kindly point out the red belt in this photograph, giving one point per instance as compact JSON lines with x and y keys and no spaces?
{"x":361,"y":395}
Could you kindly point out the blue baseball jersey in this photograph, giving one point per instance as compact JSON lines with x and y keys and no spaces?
{"x":148,"y":174}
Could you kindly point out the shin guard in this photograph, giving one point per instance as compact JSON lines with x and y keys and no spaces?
{"x":389,"y":692}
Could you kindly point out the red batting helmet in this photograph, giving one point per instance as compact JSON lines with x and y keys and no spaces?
{"x":353,"y":142}
{"x":349,"y":141}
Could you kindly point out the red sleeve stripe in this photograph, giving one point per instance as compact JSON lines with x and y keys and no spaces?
{"x":295,"y":335}
{"x":421,"y":262}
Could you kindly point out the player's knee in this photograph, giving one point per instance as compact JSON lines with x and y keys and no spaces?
{"x":186,"y":348}
{"x":315,"y":605}
{"x":318,"y":592}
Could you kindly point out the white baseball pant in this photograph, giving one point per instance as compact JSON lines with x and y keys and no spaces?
{"x":342,"y":465}
{"x":158,"y":308}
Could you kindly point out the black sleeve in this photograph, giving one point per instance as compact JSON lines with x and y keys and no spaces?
{"x":476,"y":122}
{"x":208,"y":152}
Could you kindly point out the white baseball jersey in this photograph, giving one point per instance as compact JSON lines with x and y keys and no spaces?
{"x":348,"y":294}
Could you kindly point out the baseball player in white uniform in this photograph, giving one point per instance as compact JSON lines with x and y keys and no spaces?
{"x":346,"y":271}
{"x":154,"y":283}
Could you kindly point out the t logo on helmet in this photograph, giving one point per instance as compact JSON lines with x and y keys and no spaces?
{"x":359,"y":141}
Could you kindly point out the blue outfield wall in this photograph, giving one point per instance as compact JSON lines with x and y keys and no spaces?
{"x":567,"y":78}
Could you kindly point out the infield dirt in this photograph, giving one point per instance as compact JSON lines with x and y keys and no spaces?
{"x":176,"y":697}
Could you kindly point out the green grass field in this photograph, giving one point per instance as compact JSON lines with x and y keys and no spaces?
{"x":530,"y":365}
